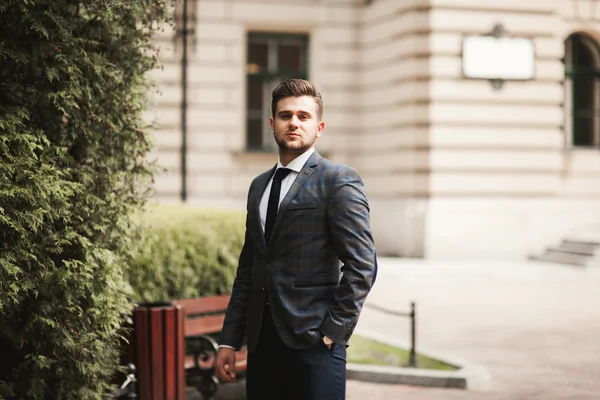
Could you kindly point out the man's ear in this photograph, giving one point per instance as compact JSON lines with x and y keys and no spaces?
{"x":320,"y":127}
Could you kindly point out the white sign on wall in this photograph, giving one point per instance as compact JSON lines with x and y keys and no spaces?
{"x":498,"y":58}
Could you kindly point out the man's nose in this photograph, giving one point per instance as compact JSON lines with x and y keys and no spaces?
{"x":294,"y":121}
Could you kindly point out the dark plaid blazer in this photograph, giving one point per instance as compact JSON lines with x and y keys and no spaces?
{"x":318,"y":267}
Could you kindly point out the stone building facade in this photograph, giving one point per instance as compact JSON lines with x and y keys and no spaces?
{"x":454,"y":168}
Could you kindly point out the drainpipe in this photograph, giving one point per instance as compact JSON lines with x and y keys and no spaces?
{"x":184,"y":105}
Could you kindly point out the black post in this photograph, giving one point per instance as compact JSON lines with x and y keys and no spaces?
{"x":413,"y":336}
{"x":184,"y":65}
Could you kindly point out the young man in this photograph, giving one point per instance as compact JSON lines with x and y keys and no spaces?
{"x":307,"y":264}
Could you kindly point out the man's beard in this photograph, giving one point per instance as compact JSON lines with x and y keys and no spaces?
{"x":284,"y":145}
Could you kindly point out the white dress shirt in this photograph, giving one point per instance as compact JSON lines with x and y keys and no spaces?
{"x":296,"y":166}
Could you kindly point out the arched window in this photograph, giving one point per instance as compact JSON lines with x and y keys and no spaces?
{"x":582,"y":72}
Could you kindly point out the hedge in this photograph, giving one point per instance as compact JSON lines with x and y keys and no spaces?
{"x":184,"y":251}
{"x":73,"y":88}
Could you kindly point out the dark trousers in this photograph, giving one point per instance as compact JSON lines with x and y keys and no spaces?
{"x":278,"y":372}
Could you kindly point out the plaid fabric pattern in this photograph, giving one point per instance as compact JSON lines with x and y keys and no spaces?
{"x":318,"y":266}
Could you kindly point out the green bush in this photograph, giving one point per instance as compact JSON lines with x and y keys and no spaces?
{"x":72,"y":172}
{"x":185,"y":251}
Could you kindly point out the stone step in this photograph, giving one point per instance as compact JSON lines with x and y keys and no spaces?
{"x":585,"y":249}
{"x":561,"y":249}
{"x":584,"y":237}
{"x":563,"y":258}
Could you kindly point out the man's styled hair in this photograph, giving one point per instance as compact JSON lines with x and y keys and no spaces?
{"x":296,"y":88}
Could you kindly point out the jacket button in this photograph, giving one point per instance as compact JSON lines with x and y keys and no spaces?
{"x":263,"y":289}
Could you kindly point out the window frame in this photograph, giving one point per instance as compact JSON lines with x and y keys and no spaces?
{"x":269,"y":78}
{"x":572,"y":72}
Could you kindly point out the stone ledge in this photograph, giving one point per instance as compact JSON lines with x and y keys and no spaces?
{"x":467,"y":376}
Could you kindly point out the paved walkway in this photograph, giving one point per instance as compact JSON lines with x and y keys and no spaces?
{"x":534,"y":326}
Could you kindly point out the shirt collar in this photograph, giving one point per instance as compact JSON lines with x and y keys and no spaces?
{"x":298,"y":163}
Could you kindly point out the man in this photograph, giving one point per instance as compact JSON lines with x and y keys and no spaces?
{"x":306,"y":266}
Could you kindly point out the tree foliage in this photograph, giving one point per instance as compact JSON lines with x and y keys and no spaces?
{"x":73,"y":86}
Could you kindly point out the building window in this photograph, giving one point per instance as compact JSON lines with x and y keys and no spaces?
{"x":271,"y":58}
{"x":582,"y":72}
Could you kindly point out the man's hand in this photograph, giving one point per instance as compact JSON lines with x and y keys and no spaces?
{"x":328,"y":342}
{"x":225,"y":364}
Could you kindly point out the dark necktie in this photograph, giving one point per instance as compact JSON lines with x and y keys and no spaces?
{"x":273,"y":204}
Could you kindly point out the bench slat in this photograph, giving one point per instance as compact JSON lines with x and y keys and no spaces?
{"x":204,"y":304}
{"x":207,"y":324}
{"x":204,"y":325}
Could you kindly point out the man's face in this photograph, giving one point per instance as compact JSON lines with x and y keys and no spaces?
{"x":296,"y":125}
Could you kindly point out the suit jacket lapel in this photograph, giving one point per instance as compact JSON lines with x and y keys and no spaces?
{"x":301,"y":179}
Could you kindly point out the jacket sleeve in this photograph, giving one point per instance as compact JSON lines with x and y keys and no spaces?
{"x":234,"y":326}
{"x":350,"y":229}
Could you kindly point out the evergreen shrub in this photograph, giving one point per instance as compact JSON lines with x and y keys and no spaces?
{"x":184,"y":252}
{"x":73,"y":86}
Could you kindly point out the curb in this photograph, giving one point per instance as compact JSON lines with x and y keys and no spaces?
{"x":467,"y":376}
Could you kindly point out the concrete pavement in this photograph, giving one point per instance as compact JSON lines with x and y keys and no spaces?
{"x":534,"y":326}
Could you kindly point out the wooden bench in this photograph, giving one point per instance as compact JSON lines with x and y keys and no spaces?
{"x":171,"y":346}
{"x":204,"y":317}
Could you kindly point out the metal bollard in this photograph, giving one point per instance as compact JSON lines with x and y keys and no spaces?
{"x":413,"y":336}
